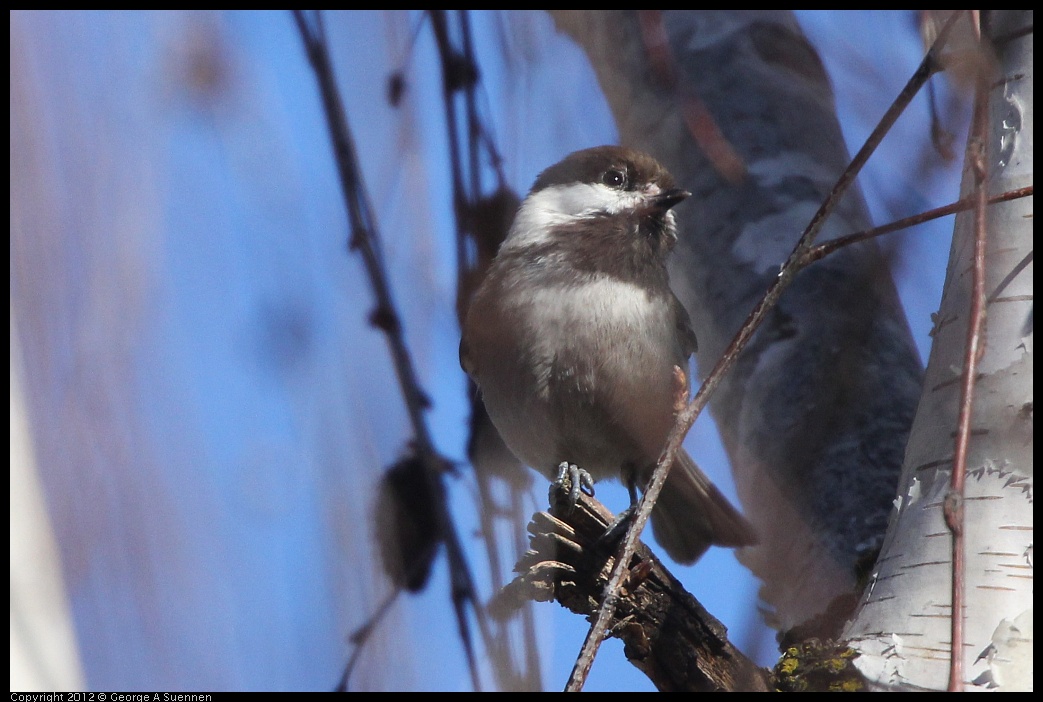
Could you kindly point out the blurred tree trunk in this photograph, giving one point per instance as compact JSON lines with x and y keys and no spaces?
{"x":817,"y":413}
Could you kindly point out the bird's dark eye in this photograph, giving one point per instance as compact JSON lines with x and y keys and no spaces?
{"x":615,"y":178}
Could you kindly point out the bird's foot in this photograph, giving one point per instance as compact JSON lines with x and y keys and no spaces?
{"x":617,"y":529}
{"x":571,"y":479}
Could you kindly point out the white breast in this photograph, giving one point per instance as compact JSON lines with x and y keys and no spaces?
{"x":614,"y":321}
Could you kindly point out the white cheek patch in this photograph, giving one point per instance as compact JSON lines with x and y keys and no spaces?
{"x":562,"y":204}
{"x":574,"y":200}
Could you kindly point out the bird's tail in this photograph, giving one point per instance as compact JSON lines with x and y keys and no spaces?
{"x":691,"y":515}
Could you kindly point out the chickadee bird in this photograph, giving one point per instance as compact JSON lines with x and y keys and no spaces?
{"x":581,"y":349}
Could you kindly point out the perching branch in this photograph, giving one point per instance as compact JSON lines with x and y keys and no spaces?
{"x":666,"y":632}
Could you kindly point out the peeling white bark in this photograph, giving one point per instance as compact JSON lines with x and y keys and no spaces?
{"x":903,"y":627}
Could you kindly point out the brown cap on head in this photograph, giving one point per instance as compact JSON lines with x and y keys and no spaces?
{"x":594,"y":166}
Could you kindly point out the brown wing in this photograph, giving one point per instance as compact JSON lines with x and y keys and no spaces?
{"x":684,"y":327}
{"x":466,"y":362}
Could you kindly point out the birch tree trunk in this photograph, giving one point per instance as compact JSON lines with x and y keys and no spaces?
{"x":903,"y":626}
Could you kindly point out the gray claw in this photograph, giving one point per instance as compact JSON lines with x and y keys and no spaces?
{"x":571,"y":478}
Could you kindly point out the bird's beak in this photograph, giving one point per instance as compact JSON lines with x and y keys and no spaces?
{"x":667,"y":199}
{"x":658,"y":203}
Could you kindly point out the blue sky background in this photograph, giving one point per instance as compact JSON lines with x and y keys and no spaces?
{"x":264,"y":401}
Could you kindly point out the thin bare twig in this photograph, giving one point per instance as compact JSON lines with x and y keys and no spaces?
{"x":820,"y":251}
{"x":365,"y":240}
{"x":953,"y":506}
{"x":687,"y":417}
{"x":469,"y":142}
{"x":362,"y":634}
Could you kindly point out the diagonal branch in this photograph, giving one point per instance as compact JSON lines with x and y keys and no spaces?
{"x":820,"y":251}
